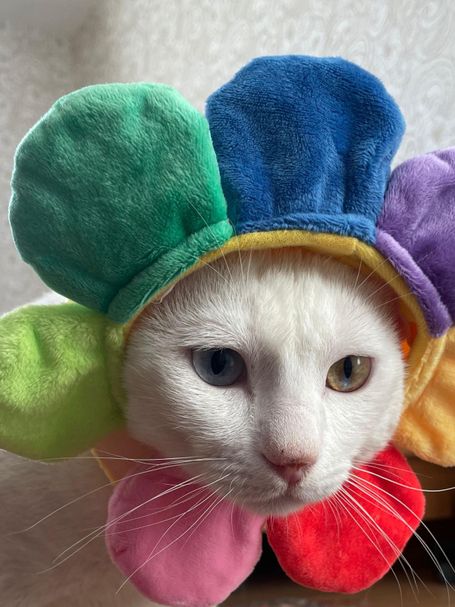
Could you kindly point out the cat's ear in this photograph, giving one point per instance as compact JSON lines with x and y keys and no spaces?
{"x":416,"y":233}
{"x":116,"y":191}
{"x":56,"y":394}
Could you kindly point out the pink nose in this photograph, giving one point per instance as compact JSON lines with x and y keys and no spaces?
{"x":291,"y":470}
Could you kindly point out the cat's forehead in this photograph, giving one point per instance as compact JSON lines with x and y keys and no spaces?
{"x":278,"y":300}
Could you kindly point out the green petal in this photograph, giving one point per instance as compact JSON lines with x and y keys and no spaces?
{"x":116,"y":191}
{"x":56,"y":397}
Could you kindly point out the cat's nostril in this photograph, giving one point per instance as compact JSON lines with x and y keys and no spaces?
{"x":291,"y":470}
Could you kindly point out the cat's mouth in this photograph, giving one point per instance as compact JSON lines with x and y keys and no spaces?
{"x":278,"y":506}
{"x":290,"y":499}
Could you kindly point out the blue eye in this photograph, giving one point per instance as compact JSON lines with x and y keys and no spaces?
{"x":218,"y":367}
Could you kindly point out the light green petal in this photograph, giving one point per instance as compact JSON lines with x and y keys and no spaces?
{"x":55,"y":394}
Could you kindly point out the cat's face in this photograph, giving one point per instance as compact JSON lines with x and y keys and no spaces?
{"x":271,"y":422}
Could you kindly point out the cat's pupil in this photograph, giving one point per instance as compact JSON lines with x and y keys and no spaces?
{"x":218,"y":367}
{"x":347,"y":367}
{"x":218,"y":362}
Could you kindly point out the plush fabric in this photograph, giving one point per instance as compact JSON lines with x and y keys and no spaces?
{"x":304,"y":143}
{"x":55,"y":394}
{"x":181,"y":546}
{"x":416,"y":230}
{"x":118,"y":193}
{"x":427,"y":426}
{"x":115,"y":192}
{"x":334,"y":548}
{"x":179,"y":552}
{"x":436,"y":312}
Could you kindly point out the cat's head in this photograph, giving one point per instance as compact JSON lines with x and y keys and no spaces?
{"x":275,"y":371}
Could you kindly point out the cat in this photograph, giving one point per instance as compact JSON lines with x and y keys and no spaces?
{"x":276,"y":371}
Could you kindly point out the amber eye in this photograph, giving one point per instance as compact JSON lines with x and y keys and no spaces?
{"x":349,"y":373}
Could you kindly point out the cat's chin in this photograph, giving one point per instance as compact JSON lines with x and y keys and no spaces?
{"x":292,"y":500}
{"x":282,"y":505}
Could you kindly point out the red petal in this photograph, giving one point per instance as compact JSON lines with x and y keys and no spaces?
{"x":339,"y":546}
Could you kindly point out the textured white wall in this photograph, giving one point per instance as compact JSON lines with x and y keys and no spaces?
{"x":62,"y":17}
{"x":196,"y":45}
{"x":34,"y":70}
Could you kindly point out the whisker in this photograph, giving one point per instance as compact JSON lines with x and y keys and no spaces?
{"x":375,"y":525}
{"x":161,"y":459}
{"x":427,"y":549}
{"x":209,"y":227}
{"x":186,"y":498}
{"x":389,"y":301}
{"x":358,"y":274}
{"x":74,"y":501}
{"x":389,"y":480}
{"x":387,"y":467}
{"x":373,"y":271}
{"x":160,"y":522}
{"x":394,"y":513}
{"x":222,"y":499}
{"x":340,"y":496}
{"x":385,"y":284}
{"x":173,"y":505}
{"x":362,"y":483}
{"x":155,"y":554}
{"x":208,"y":265}
{"x":118,"y":456}
{"x":421,"y":541}
{"x":398,"y":553}
{"x":100,"y":530}
{"x":153,"y":468}
{"x":402,"y":560}
{"x":249,"y":266}
{"x":240,"y":260}
{"x":150,"y":554}
{"x":388,"y":283}
{"x":335,"y":514}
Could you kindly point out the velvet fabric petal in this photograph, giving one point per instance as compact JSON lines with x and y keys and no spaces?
{"x":56,"y":394}
{"x":416,"y":232}
{"x":349,"y":542}
{"x":178,"y":543}
{"x":116,"y":192}
{"x":304,"y":143}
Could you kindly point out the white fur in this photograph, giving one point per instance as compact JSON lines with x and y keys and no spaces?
{"x":291,"y":315}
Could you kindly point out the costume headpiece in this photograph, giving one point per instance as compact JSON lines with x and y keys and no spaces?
{"x":121,"y":190}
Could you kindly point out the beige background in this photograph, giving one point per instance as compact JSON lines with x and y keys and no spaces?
{"x":49,"y":47}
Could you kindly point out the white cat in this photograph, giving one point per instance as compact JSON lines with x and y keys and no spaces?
{"x":279,"y":369}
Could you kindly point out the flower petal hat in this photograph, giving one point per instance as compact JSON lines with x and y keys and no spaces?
{"x":121,"y":190}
